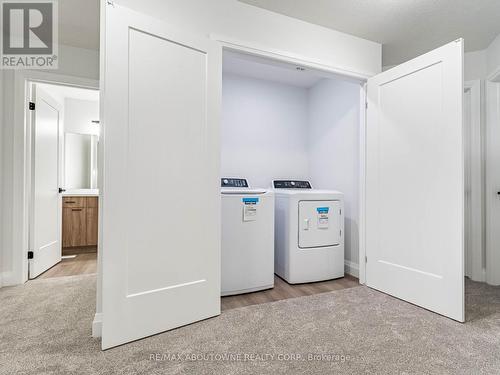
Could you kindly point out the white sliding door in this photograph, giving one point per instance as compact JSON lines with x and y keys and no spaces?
{"x":415,"y":182}
{"x":161,"y":204}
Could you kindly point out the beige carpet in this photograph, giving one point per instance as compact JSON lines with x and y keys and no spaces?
{"x":45,"y":329}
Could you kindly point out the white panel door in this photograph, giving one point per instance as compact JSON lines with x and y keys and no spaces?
{"x":415,"y":182}
{"x":46,"y":210}
{"x":161,"y":202}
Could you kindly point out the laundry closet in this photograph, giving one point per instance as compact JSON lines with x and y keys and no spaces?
{"x":284,"y":121}
{"x":229,"y":90}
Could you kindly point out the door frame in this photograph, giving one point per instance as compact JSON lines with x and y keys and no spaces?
{"x":22,"y":161}
{"x":492,"y":186}
{"x":475,"y":259}
{"x":230,"y":44}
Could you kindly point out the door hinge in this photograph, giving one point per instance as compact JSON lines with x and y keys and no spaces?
{"x":341,"y":233}
{"x":340,"y":212}
{"x":366,"y":259}
{"x":30,"y":254}
{"x":366,"y":105}
{"x":31,"y":106}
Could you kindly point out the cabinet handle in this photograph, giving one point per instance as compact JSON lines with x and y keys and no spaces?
{"x":76,"y":209}
{"x":68,"y":202}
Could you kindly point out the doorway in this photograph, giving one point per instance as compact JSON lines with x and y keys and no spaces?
{"x":63,"y":207}
{"x":307,"y":122}
{"x":474,"y":183}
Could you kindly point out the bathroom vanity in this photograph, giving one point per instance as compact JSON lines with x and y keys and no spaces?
{"x":79,"y":222}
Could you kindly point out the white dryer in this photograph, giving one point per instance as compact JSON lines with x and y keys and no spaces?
{"x":247,"y":249}
{"x":309,"y":232}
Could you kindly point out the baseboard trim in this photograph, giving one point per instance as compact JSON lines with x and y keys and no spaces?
{"x":97,"y":325}
{"x":351,"y":268}
{"x":7,"y":279}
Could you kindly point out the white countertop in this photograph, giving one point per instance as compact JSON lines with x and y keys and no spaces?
{"x":81,"y":192}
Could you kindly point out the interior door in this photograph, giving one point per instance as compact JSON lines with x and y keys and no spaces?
{"x":45,"y":216}
{"x":415,"y":182}
{"x":161,"y":201}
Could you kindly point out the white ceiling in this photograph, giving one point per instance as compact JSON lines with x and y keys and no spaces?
{"x":79,"y":23}
{"x":255,"y":67}
{"x":406,"y":28}
{"x":60,"y":92}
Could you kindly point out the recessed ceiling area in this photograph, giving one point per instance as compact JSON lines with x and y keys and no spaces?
{"x":268,"y":69}
{"x":265,"y":69}
{"x":406,"y":28}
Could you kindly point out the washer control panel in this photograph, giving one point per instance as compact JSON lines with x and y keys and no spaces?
{"x":291,"y":184}
{"x":233,"y":182}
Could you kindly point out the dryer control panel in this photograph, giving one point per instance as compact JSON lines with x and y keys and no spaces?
{"x":233,"y":182}
{"x":291,"y":184}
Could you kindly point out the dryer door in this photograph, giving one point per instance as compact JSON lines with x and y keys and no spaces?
{"x":319,"y":223}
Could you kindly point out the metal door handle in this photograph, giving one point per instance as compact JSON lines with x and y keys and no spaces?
{"x":61,"y":190}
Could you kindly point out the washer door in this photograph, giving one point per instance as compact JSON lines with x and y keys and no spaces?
{"x":319,"y":224}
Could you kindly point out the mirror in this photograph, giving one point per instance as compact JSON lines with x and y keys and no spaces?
{"x":80,"y":159}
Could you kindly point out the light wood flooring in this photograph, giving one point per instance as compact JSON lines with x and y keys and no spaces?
{"x":82,"y":264}
{"x":78,"y":250}
{"x":283,"y":290}
{"x":86,"y":263}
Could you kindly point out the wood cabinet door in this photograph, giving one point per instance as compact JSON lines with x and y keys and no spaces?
{"x":74,"y":227}
{"x":92,"y":202}
{"x":92,"y":215}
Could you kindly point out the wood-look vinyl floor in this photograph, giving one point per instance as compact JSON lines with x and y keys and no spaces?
{"x":82,"y":264}
{"x":283,"y":290}
{"x":86,"y":263}
{"x":78,"y":250}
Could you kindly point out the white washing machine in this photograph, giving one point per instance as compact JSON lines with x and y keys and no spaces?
{"x":309,"y":232}
{"x":247,"y":237}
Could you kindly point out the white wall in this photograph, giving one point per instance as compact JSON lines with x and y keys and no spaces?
{"x":246,"y":23}
{"x":493,"y":56}
{"x":493,"y":163}
{"x":333,"y":144}
{"x":263,"y":130}
{"x":273,"y":130}
{"x":481,"y":65}
{"x":475,"y":65}
{"x":78,"y":116}
{"x":73,"y":61}
{"x":6,"y":174}
{"x":1,"y":180}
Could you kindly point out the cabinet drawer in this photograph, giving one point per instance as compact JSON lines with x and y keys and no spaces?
{"x":74,"y":202}
{"x":92,"y":202}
